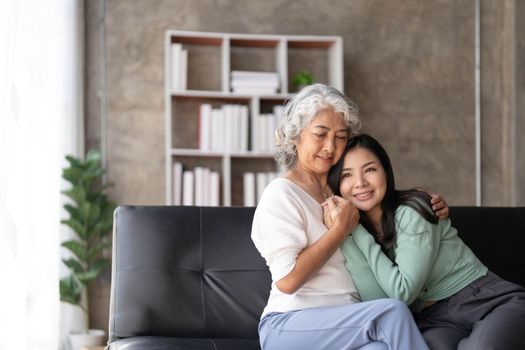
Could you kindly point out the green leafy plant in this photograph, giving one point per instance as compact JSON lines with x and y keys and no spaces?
{"x":91,"y":219}
{"x":301,"y":79}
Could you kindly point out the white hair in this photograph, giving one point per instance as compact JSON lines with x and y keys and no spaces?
{"x":299,"y":112}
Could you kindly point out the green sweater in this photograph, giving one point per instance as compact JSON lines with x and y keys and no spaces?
{"x":429,"y":262}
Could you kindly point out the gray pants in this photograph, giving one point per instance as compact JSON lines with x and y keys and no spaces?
{"x":487,"y":314}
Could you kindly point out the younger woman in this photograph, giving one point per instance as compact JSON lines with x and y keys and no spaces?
{"x":402,"y":251}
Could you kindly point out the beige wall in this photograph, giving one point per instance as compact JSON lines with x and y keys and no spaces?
{"x":408,"y":64}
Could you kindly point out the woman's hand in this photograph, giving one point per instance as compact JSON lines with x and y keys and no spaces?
{"x":340,"y":212}
{"x":327,"y":213}
{"x":439,"y":206}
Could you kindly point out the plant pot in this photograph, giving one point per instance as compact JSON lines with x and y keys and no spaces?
{"x":92,"y":337}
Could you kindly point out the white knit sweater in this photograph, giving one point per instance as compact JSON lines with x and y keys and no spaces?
{"x":286,"y":221}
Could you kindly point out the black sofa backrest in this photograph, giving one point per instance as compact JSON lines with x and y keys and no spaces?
{"x":186,"y":272}
{"x":194,"y":271}
{"x":496,"y":235}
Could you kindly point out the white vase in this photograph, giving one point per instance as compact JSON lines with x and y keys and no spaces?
{"x":93,"y":337}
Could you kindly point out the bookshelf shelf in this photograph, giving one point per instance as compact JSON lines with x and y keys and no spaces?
{"x":239,"y":154}
{"x":198,"y":71}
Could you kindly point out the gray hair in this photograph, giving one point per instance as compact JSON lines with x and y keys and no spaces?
{"x":299,"y":112}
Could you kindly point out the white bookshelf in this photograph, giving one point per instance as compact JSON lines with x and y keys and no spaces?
{"x":282,"y":54}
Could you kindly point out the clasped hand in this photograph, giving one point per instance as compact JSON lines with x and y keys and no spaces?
{"x":339,"y":212}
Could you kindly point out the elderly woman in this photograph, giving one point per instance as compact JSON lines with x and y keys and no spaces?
{"x":313,"y":302}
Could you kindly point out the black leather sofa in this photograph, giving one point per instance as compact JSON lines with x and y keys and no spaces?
{"x":190,"y":277}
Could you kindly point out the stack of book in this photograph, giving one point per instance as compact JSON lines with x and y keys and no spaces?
{"x":259,"y":83}
{"x":254,"y":185}
{"x":263,"y":130}
{"x":179,"y":67}
{"x":200,"y":186}
{"x":223,"y":129}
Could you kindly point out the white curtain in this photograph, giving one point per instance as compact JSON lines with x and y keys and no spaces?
{"x":40,"y":121}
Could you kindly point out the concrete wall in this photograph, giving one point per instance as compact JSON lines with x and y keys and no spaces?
{"x":408,"y":64}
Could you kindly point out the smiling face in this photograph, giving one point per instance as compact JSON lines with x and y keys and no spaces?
{"x":363,"y":181}
{"x":321,"y":143}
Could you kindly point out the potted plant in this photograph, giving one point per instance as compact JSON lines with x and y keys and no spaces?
{"x":91,"y":219}
{"x":302,"y":79}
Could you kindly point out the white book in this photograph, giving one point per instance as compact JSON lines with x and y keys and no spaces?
{"x":176,"y":50}
{"x":218,"y":128}
{"x":249,"y":189}
{"x":199,"y":185}
{"x":263,"y":132}
{"x":214,"y":188}
{"x":244,"y":125}
{"x":254,"y":84}
{"x":256,"y":90}
{"x":206,"y":186}
{"x":177,"y":183}
{"x":187,"y":187}
{"x":229,"y":130}
{"x":278,"y":111}
{"x":255,"y":133}
{"x":183,"y":69}
{"x":262,"y":181}
{"x":271,"y":124}
{"x":205,"y":120}
{"x":254,"y":76}
{"x":237,"y":130}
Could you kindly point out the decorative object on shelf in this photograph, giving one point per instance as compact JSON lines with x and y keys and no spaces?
{"x":302,"y":79}
{"x":91,"y":219}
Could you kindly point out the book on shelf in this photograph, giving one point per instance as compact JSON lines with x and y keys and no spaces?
{"x":230,"y":127}
{"x":205,"y":127}
{"x":263,"y":130}
{"x":261,"y":182}
{"x":249,"y":189}
{"x":223,"y":129}
{"x":254,"y":185}
{"x":179,"y":67}
{"x":187,"y":187}
{"x":217,"y":129}
{"x":177,"y":183}
{"x":244,"y":128}
{"x":184,"y":69}
{"x":248,"y":82}
{"x":214,"y":189}
{"x":200,"y":186}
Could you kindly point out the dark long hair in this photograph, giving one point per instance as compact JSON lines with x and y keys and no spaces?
{"x":413,"y":198}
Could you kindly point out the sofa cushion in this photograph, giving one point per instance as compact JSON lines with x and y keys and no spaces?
{"x":190,"y":272}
